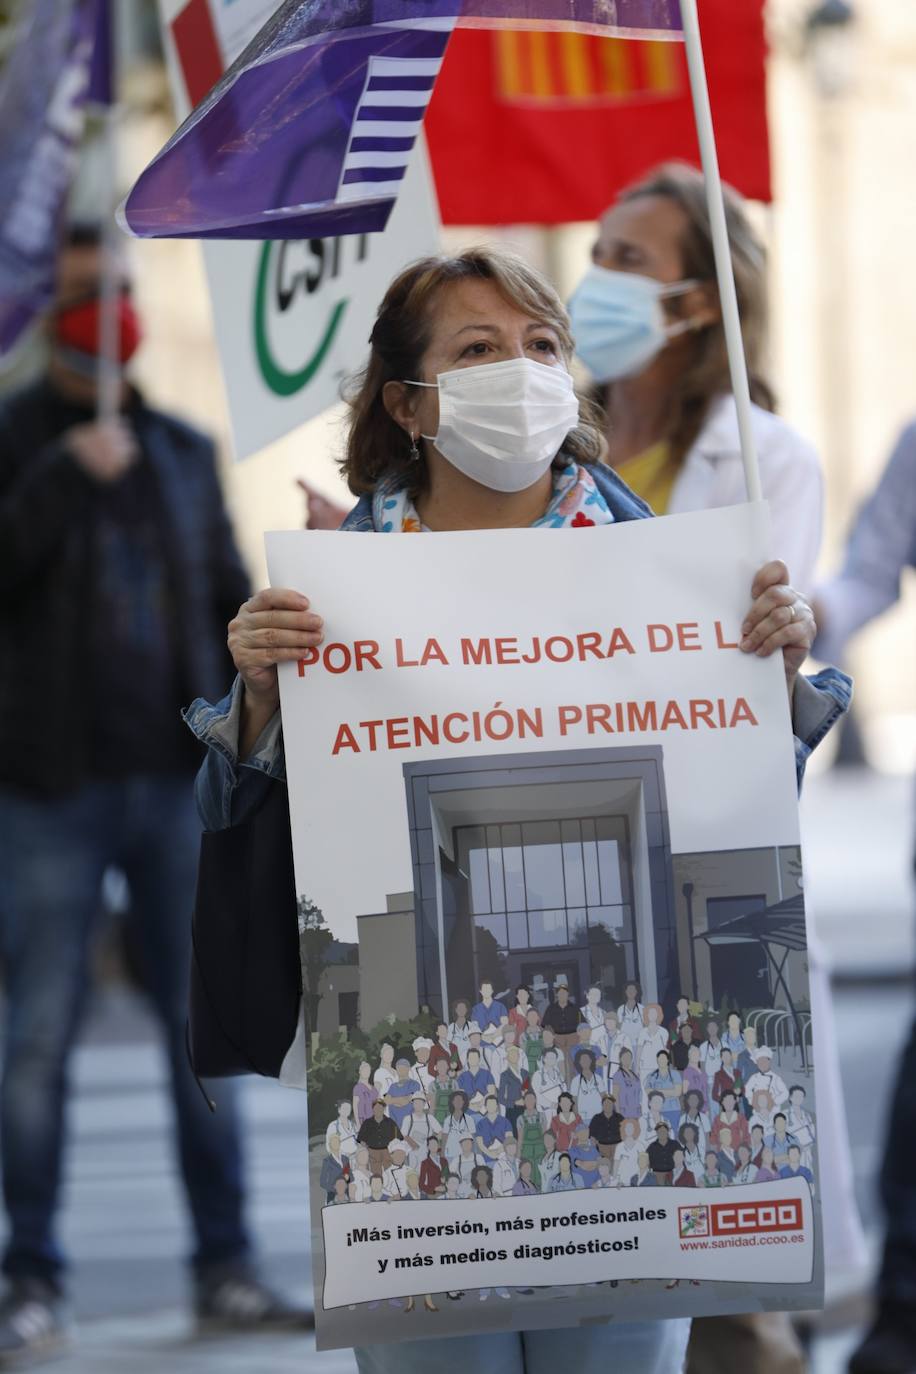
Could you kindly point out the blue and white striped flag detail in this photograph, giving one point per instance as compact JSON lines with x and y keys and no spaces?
{"x":309,"y":132}
{"x":388,"y":119}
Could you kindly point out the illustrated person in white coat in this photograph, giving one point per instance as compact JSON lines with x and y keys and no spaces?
{"x":459,"y":1125}
{"x":652,"y":1038}
{"x":344,"y":1128}
{"x":801,"y":1124}
{"x":394,"y":1178}
{"x":421,"y":1070}
{"x":766,"y":1079}
{"x":385,"y":1074}
{"x":465,"y":1166}
{"x":417,"y":1128}
{"x":626,"y":1156}
{"x":593,"y":1013}
{"x":630,"y":1016}
{"x":609,"y":1041}
{"x":504,"y":1163}
{"x":459,"y":1031}
{"x":547,"y":1083}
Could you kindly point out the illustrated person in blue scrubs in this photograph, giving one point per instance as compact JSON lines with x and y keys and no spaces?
{"x":795,"y":1169}
{"x":585,"y":1158}
{"x":627,"y":1087}
{"x":401,"y":1092}
{"x":667,"y":1081}
{"x":493,"y":1126}
{"x":645,"y":1177}
{"x":475,"y":1080}
{"x":490,"y":1015}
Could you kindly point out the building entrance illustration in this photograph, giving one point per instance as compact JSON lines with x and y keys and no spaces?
{"x":549,"y":902}
{"x":555,"y":869}
{"x":547,"y":870}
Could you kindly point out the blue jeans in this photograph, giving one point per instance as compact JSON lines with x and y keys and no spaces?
{"x":627,"y":1348}
{"x":53,"y":854}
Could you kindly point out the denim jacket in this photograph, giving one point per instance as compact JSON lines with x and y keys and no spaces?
{"x":228,"y":790}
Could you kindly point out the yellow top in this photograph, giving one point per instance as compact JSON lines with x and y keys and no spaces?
{"x":652,"y":474}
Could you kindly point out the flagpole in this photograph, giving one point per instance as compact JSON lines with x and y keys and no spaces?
{"x":728,"y":299}
{"x":108,"y":371}
{"x":108,"y":377}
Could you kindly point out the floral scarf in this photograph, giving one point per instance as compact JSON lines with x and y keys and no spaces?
{"x":575,"y":504}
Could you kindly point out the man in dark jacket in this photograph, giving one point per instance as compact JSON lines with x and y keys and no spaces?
{"x":118,"y":573}
{"x":377,"y":1134}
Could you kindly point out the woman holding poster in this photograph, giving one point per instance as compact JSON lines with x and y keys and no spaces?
{"x":466,"y":419}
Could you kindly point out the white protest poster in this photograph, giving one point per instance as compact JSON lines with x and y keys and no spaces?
{"x":547,"y":857}
{"x":291,"y":317}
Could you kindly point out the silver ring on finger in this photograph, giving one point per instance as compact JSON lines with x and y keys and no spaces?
{"x":792,"y":612}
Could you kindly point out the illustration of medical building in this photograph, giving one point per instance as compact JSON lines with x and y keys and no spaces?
{"x":556,"y":868}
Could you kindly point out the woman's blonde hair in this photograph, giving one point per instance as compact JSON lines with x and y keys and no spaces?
{"x":377,"y":446}
{"x":707,"y":375}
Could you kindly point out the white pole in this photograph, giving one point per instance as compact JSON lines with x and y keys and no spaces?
{"x":728,"y":298}
{"x":109,"y":381}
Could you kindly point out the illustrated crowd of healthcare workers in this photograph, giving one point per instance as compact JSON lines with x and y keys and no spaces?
{"x":503,"y":1104}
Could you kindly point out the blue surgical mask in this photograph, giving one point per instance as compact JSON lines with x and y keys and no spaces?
{"x":619,"y":322}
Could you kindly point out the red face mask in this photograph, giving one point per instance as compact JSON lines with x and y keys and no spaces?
{"x":79,"y":327}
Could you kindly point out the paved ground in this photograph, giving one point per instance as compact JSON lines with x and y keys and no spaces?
{"x":858,"y":830}
{"x":123,"y":1217}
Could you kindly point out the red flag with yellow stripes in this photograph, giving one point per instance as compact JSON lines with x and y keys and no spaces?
{"x":542,"y":128}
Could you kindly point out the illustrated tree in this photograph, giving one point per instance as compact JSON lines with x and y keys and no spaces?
{"x":794,"y":866}
{"x":315,"y":941}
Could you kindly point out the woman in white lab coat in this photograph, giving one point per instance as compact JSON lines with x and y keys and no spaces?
{"x":648,"y":328}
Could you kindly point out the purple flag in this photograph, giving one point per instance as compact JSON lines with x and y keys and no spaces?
{"x":309,"y":132}
{"x":44,"y":88}
{"x":101,"y":71}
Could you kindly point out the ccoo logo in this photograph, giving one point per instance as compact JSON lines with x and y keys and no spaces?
{"x":779,"y":1215}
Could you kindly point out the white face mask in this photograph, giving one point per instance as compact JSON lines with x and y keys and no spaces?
{"x":502,"y":424}
{"x":619,"y":323}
